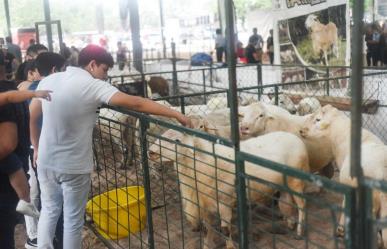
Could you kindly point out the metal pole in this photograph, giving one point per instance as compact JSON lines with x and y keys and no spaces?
{"x":356,"y":88}
{"x":47,"y":17}
{"x":232,"y":100}
{"x":174,"y":72}
{"x":220,"y":15}
{"x":356,"y":123}
{"x":8,"y":17}
{"x":162,"y":24}
{"x":148,"y":195}
{"x":135,"y":28}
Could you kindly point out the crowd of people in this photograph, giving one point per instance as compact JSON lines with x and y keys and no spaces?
{"x":48,"y":140}
{"x":252,"y":53}
{"x":376,"y":44}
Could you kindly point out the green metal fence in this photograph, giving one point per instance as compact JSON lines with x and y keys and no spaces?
{"x":122,"y":159}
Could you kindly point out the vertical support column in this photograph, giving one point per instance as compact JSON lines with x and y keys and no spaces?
{"x":204,"y":85}
{"x":47,"y":17}
{"x":135,"y":28}
{"x":60,"y":35}
{"x":327,"y":88}
{"x":147,"y":187}
{"x":233,"y":101}
{"x":7,"y":17}
{"x":356,"y":124}
{"x":162,"y":26}
{"x":259,"y":80}
{"x":174,"y":72}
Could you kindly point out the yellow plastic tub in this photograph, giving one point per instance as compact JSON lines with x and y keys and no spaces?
{"x":118,"y":212}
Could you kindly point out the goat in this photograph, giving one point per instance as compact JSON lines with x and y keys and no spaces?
{"x":324,"y":37}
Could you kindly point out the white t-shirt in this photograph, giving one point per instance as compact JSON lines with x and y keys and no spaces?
{"x":65,"y":143}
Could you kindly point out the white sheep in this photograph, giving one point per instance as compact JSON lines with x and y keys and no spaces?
{"x":332,"y":124}
{"x":285,"y":102}
{"x":215,"y":103}
{"x":308,"y":105}
{"x":202,"y":194}
{"x":324,"y":37}
{"x":259,"y":119}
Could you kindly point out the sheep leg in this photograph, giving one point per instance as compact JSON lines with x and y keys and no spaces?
{"x":383,"y":214}
{"x":340,"y":228}
{"x":190,"y":206}
{"x":286,"y":207}
{"x":225,"y":213}
{"x":298,"y":186}
{"x":326,"y":58}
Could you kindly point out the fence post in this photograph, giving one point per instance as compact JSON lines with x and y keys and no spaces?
{"x":129,"y":61}
{"x":211,"y":75}
{"x":276,"y":95}
{"x":259,"y":80}
{"x":371,"y":227}
{"x":204,"y":85}
{"x":356,"y":122}
{"x":233,"y":100}
{"x":174,"y":73}
{"x":145,"y":85}
{"x":147,"y":186}
{"x":327,"y":81}
{"x":182,"y":104}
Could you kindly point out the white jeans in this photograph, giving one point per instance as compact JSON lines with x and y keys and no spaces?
{"x":56,"y":187}
{"x":31,"y":222}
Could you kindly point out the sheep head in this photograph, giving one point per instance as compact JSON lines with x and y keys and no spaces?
{"x":253,"y":120}
{"x":285,"y":102}
{"x":318,"y":124}
{"x":310,"y":21}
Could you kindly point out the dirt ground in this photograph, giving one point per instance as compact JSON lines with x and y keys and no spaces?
{"x":172,"y":231}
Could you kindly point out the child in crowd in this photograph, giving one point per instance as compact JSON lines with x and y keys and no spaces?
{"x":31,"y":73}
{"x":16,"y":174}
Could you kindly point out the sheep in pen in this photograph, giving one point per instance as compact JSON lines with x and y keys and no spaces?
{"x":324,"y":37}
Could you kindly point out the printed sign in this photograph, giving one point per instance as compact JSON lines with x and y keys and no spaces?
{"x":312,"y":33}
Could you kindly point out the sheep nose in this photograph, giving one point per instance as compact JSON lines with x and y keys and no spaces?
{"x":244,"y":128}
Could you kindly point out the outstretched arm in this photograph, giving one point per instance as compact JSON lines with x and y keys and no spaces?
{"x":20,"y":96}
{"x":147,"y":106}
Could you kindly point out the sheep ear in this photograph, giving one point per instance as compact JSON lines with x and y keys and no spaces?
{"x":209,"y":127}
{"x":324,"y":125}
{"x":241,"y":115}
{"x":326,"y":108}
{"x":269,"y":116}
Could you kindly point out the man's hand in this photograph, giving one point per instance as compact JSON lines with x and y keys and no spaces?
{"x":184,"y":120}
{"x":43,"y":94}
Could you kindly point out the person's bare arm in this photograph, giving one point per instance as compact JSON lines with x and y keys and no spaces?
{"x":9,"y":138}
{"x":147,"y":106}
{"x":20,"y":96}
{"x":35,"y":114}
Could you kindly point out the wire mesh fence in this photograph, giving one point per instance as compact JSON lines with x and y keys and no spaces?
{"x":192,"y":180}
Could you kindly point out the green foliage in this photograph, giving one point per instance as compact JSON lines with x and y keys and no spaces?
{"x":305,"y":50}
{"x":367,"y":4}
{"x":243,"y":6}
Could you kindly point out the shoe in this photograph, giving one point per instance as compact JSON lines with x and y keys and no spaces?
{"x":27,"y":208}
{"x":31,"y":243}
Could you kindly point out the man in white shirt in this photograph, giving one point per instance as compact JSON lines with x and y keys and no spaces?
{"x":63,"y":150}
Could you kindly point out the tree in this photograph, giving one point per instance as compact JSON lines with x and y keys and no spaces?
{"x":243,"y":6}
